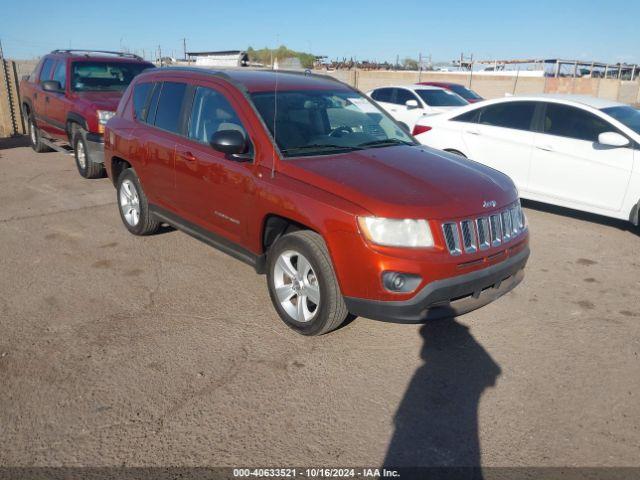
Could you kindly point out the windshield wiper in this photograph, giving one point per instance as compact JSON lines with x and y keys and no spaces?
{"x":385,"y":143}
{"x":320,"y":146}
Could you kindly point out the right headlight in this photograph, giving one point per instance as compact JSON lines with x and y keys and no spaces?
{"x":393,"y":232}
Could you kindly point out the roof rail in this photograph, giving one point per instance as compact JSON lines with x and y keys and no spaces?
{"x":90,"y":51}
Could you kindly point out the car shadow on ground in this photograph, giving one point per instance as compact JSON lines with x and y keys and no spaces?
{"x":14,"y":142}
{"x":436,"y":424}
{"x":579,"y":215}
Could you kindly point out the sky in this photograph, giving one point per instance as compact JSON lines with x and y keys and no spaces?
{"x":366,"y":30}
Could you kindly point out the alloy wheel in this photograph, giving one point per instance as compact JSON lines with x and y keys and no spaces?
{"x":296,"y":286}
{"x":129,"y":202}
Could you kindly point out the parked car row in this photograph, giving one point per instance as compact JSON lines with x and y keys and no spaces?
{"x":303,"y":178}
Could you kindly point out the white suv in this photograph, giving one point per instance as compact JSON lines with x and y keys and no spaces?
{"x":572,"y":151}
{"x":410,"y":102}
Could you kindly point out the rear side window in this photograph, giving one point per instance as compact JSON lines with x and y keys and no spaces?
{"x":382,"y":95}
{"x":571,"y":122}
{"x":140,"y":96}
{"x":211,"y":113}
{"x":60,"y":73}
{"x":515,"y":115}
{"x":169,"y":106}
{"x":468,"y":117}
{"x":45,"y":73}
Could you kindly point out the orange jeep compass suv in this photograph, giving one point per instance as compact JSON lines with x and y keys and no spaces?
{"x":310,"y":182}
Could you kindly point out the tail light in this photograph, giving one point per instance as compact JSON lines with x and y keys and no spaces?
{"x":418,"y":129}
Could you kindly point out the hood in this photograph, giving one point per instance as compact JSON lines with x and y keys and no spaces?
{"x":406,"y":182}
{"x":100,"y":100}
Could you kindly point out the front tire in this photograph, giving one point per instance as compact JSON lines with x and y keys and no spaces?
{"x":35,"y":137}
{"x":133,"y":205}
{"x":86,"y":168}
{"x":302,"y":284}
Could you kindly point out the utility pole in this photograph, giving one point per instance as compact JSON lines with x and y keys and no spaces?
{"x":160,"y":54}
{"x":419,"y":66}
{"x":397,"y":61}
{"x":184,"y":48}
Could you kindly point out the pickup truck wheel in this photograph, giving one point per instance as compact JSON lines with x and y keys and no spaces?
{"x":303,"y":285}
{"x":86,"y":168}
{"x":35,"y":138}
{"x":133,"y":205}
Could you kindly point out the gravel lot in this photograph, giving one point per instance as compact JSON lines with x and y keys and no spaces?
{"x":117,"y":350}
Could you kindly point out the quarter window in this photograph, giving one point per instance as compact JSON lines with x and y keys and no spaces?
{"x":60,"y":73}
{"x":140,"y":95}
{"x":211,"y":113}
{"x":515,"y":115}
{"x":571,"y":122}
{"x":45,"y":73}
{"x":469,"y":117}
{"x":169,"y":106}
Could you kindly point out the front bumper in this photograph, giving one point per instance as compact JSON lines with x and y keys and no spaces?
{"x":95,"y":147}
{"x":449,"y":297}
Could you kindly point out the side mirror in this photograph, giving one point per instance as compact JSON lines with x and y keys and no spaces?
{"x":232,"y":143}
{"x":613,"y":139}
{"x":52,"y":86}
{"x":411,"y":104}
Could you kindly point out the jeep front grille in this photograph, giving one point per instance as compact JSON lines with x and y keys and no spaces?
{"x":471,"y":235}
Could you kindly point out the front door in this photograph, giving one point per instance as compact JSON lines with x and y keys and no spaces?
{"x":569,"y":165}
{"x":212,"y":188}
{"x":55,"y":102}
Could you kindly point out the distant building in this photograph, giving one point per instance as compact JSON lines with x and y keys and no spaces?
{"x":224,"y":58}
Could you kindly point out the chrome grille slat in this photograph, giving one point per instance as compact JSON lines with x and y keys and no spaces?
{"x":476,"y":234}
{"x":451,"y":237}
{"x":468,"y":236}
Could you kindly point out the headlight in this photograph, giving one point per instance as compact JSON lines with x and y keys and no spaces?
{"x":396,"y":233}
{"x":104,"y":116}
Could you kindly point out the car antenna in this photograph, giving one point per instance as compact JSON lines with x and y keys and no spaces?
{"x":275,"y":116}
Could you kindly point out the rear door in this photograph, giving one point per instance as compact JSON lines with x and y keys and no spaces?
{"x":212,"y":188}
{"x":502,"y":138}
{"x":165,"y":125}
{"x":40,"y":96}
{"x":568,"y":164}
{"x":384,"y":97}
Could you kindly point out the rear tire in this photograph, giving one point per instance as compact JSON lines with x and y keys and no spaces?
{"x":302,"y":284}
{"x":35,"y":137}
{"x":133,"y":205}
{"x":86,"y":168}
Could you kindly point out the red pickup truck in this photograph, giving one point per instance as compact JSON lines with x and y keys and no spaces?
{"x":69,"y":97}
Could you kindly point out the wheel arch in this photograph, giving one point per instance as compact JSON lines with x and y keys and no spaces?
{"x":118,"y":165}
{"x":634,"y":215}
{"x":72,"y":118}
{"x":275,"y":226}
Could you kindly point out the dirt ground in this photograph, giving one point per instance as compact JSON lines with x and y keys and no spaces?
{"x":118,"y":350}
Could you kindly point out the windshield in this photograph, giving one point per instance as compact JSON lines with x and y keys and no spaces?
{"x":104,"y":76}
{"x":321,"y":122}
{"x":465,"y":93}
{"x":628,"y":116}
{"x":441,"y":98}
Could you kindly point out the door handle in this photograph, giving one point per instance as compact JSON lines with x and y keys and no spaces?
{"x":187,"y":156}
{"x":473,"y":132}
{"x":46,"y":99}
{"x":546,"y":148}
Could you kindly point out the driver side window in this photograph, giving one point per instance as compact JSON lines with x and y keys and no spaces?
{"x":210,"y":113}
{"x":403,"y":96}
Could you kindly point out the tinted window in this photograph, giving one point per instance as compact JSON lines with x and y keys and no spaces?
{"x":382,"y":94}
{"x":45,"y":73}
{"x":153,"y":103}
{"x":628,"y":116}
{"x":516,"y":115}
{"x":403,"y":96}
{"x":465,"y":93}
{"x":140,"y":95}
{"x":469,"y":117}
{"x":169,"y":106}
{"x":571,"y":122}
{"x":60,"y":73}
{"x":441,"y":98}
{"x":211,"y":113}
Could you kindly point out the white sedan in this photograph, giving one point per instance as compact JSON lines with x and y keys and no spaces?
{"x":408,"y":103}
{"x":572,"y":151}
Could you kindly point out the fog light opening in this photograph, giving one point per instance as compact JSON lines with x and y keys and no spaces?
{"x":399,"y":282}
